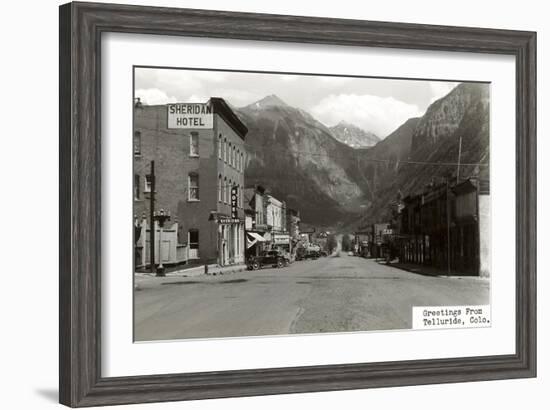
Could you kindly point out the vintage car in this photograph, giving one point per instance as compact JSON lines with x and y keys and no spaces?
{"x":308,"y":253}
{"x":272,"y":258}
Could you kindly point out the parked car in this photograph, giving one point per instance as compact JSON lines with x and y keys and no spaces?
{"x":300,"y":254}
{"x":272,"y":258}
{"x":312,"y":254}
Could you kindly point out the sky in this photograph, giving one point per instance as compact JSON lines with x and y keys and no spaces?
{"x":374,"y":104}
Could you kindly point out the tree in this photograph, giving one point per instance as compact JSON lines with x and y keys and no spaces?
{"x":346,"y":243}
{"x":332,"y":243}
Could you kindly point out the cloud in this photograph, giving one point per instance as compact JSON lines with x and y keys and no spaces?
{"x":154,"y":96}
{"x":238,"y":97}
{"x":195,"y":99}
{"x":440,"y":89}
{"x":177,"y":85}
{"x":380,"y":115}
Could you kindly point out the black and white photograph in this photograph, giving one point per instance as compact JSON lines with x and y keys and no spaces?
{"x":275,"y":205}
{"x":289,"y":203}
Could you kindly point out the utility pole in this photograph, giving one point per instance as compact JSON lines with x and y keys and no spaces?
{"x":152,"y":219}
{"x":458,"y":163}
{"x":448,"y":230}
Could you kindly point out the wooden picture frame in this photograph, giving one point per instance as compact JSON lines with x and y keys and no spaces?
{"x":81,"y":27}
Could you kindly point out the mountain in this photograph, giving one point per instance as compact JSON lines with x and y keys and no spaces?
{"x":266,"y":102}
{"x":460,"y":119}
{"x":299,"y":161}
{"x":397,"y":145}
{"x":380,"y":165}
{"x":353,"y":136}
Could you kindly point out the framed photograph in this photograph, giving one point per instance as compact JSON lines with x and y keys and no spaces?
{"x":259,"y":204}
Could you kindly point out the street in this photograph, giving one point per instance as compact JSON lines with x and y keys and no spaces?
{"x":331,"y":294}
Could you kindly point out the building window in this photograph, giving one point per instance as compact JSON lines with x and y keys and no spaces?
{"x":234,"y":158}
{"x":148,"y":183}
{"x":228,"y":192}
{"x":137,"y":143}
{"x":220,"y":151}
{"x":229,"y":154}
{"x":136,"y":187}
{"x":194,"y":144}
{"x":193,"y":185}
{"x":242,"y":162}
{"x":224,"y":190}
{"x":220,"y":188}
{"x":193,"y":243}
{"x":225,"y":149}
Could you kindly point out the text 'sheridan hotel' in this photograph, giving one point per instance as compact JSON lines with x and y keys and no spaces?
{"x":190,"y":116}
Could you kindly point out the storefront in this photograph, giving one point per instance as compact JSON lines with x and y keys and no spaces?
{"x":255,"y":243}
{"x":230,"y":240}
{"x":282,"y":242}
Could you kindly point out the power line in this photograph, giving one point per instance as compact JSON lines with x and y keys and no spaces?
{"x":257,"y":149}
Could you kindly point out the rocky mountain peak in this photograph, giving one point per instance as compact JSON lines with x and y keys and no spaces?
{"x":344,"y":123}
{"x":268,"y":101}
{"x":444,"y":116}
{"x":353,"y":136}
{"x":301,"y":162}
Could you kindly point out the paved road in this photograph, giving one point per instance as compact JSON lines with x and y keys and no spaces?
{"x":326,"y":295}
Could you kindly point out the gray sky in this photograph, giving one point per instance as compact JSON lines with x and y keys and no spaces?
{"x":376,"y":105}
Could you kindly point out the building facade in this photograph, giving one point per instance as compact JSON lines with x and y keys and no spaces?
{"x":199,"y":160}
{"x":256,"y":226}
{"x":293,"y":228}
{"x":266,"y":222}
{"x":275,"y":214}
{"x":448,"y":227}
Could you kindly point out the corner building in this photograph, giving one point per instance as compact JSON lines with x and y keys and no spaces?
{"x":199,"y":156}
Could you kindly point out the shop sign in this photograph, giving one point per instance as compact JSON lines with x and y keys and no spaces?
{"x":234,"y":212}
{"x":281,"y":239}
{"x":187,"y":115}
{"x":228,"y":220}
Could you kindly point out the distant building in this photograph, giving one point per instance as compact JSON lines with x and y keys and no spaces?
{"x":199,"y":157}
{"x":306,"y":235}
{"x":363,"y":240}
{"x":381,"y":233}
{"x":371,"y":240}
{"x":276,"y":222}
{"x":255,"y":220}
{"x":266,"y":221}
{"x":293,"y":227}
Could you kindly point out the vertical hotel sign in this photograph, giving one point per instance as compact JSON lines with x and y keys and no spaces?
{"x":234,"y":213}
{"x":189,"y":115}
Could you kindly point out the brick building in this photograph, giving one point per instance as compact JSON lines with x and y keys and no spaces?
{"x":199,"y":157}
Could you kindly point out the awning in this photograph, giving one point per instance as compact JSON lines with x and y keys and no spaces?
{"x":256,"y":237}
{"x":252,"y":238}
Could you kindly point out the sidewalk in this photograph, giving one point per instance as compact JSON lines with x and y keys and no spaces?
{"x":213,"y":270}
{"x":429,"y":270}
{"x":146,"y":280}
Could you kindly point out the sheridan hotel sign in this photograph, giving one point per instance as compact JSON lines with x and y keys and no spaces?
{"x":188,"y":115}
